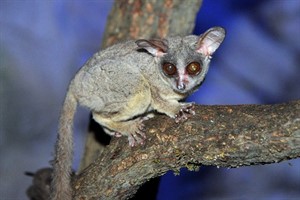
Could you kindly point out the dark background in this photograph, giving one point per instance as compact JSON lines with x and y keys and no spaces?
{"x":44,"y":43}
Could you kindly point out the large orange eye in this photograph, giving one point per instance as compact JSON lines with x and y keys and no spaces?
{"x":193,"y":68}
{"x":169,"y":69}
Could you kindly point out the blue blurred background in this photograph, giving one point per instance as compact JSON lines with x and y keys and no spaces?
{"x":43,"y":44}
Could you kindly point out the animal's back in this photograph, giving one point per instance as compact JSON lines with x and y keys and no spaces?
{"x":111,"y":78}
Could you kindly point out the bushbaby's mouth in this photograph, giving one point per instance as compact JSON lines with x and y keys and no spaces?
{"x":183,"y":92}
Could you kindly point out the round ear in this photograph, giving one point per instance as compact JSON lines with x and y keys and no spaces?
{"x":210,"y":40}
{"x":156,"y":47}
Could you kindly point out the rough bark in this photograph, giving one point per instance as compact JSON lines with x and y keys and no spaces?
{"x":132,"y":19}
{"x":225,"y":136}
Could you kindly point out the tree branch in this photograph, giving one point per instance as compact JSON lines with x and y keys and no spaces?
{"x":226,"y":136}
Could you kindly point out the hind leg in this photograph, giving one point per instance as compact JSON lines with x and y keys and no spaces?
{"x":133,"y":129}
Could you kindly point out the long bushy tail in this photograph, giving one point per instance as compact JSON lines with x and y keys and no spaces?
{"x":62,"y":164}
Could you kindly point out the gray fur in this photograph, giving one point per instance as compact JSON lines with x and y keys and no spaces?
{"x":125,"y":82}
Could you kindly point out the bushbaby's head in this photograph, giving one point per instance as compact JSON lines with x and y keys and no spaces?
{"x":184,"y":61}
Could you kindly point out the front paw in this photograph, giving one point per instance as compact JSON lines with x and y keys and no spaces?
{"x":186,"y":111}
